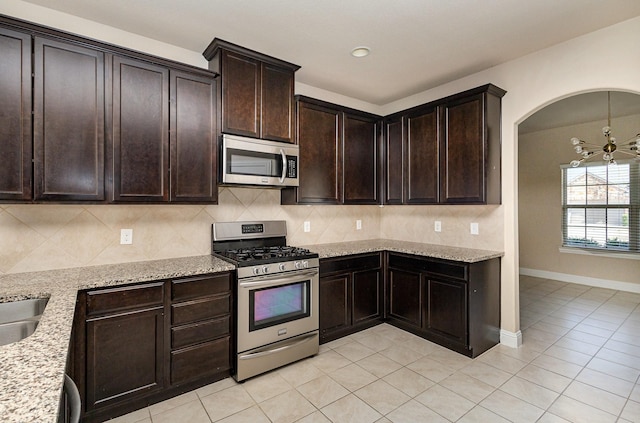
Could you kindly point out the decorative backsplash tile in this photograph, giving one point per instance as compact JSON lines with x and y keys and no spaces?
{"x":43,"y":237}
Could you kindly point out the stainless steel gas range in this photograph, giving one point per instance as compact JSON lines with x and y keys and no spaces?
{"x":277,"y":295}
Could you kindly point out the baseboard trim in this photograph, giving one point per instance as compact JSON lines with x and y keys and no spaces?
{"x":510,"y":339}
{"x":583,"y":280}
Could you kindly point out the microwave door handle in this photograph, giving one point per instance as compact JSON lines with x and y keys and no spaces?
{"x":284,"y":166}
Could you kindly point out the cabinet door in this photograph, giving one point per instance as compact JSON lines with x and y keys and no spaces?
{"x":394,"y":161}
{"x":335,"y":310}
{"x":421,"y":171}
{"x":463,"y":147}
{"x":140,"y":131}
{"x":277,"y":106}
{"x":360,"y":160}
{"x":447,"y":309}
{"x":68,"y":122}
{"x":405,"y":296}
{"x":15,"y":115}
{"x":367,"y":295}
{"x":125,"y":355}
{"x":320,"y":159}
{"x":240,"y":95}
{"x":193,"y":143}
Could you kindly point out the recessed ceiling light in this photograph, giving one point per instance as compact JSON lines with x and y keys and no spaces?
{"x":360,"y":51}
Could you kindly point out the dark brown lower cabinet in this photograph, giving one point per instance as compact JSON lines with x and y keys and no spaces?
{"x":351,"y":295}
{"x":138,"y":344}
{"x":454,"y":304}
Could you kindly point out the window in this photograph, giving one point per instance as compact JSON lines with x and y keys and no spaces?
{"x":600,"y":205}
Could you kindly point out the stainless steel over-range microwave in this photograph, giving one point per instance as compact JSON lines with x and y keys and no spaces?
{"x":251,"y":161}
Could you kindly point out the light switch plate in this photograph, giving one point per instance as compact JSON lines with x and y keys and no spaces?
{"x":358,"y":224}
{"x":437,"y":226}
{"x":475,"y":229}
{"x":307,"y":226}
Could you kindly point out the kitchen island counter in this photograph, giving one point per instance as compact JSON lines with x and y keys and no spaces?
{"x":32,"y":370}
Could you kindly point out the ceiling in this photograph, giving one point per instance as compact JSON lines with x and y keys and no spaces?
{"x":415,"y":44}
{"x":582,"y":108}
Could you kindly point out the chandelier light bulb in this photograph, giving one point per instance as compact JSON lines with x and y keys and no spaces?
{"x":586,"y":154}
{"x":575,"y":141}
{"x":606,"y":130}
{"x":578,"y":149}
{"x":606,"y":156}
{"x":612,"y":140}
{"x":575,"y":163}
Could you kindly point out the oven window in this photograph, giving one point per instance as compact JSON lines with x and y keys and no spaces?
{"x":279,"y":304}
{"x":242,"y":162}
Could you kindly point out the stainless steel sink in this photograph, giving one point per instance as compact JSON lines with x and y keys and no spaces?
{"x":19,"y":319}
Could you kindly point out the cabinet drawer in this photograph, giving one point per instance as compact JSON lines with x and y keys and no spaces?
{"x":192,"y":311}
{"x":415,"y":264}
{"x":457,"y":271}
{"x":182,"y":336}
{"x":199,"y":361}
{"x":124,"y":298}
{"x":349,"y":263}
{"x":190,"y":288}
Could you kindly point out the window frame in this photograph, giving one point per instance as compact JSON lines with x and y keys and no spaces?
{"x":633,"y":215}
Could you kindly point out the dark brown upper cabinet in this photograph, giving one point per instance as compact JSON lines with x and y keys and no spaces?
{"x":445,"y":152}
{"x":470,"y":142}
{"x":140,"y":131}
{"x":256,"y":95}
{"x":192,"y":140}
{"x":422,"y":157}
{"x":15,"y":115}
{"x":68,"y":122}
{"x":338,"y":155}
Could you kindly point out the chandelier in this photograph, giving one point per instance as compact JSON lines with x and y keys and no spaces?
{"x":588,"y":150}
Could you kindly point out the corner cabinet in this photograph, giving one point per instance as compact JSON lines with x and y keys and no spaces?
{"x":452,"y":303}
{"x":447,"y":151}
{"x":256,"y":95}
{"x":339,"y":155}
{"x":134,"y":345}
{"x":351,"y":295}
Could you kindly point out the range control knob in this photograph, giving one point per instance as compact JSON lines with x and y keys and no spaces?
{"x":282,"y":267}
{"x":305,"y":264}
{"x":297,"y":265}
{"x":265,"y":269}
{"x":256,"y":270}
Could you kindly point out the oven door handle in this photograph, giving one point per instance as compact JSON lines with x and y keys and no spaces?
{"x":298,"y":277}
{"x":284,"y":166}
{"x":264,"y":352}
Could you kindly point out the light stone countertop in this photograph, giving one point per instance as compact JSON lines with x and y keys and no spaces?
{"x":466,"y":255}
{"x":32,"y":370}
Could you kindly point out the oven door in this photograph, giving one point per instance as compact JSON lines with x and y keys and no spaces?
{"x":258,"y":162}
{"x":276,"y":307}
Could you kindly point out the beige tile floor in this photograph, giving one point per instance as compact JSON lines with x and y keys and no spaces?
{"x":580,"y":362}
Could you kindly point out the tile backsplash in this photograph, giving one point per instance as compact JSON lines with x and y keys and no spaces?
{"x":43,"y":237}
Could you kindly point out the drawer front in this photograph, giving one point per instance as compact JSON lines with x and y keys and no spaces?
{"x":194,"y":333}
{"x":425,"y":265}
{"x":349,"y":263}
{"x":124,"y":298}
{"x":193,"y":311}
{"x":200,"y":360}
{"x":202,"y":286}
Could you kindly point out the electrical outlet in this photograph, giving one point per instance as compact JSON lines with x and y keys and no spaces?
{"x":437,"y":226}
{"x":307,"y":226}
{"x":126,"y":236}
{"x":475,"y":229}
{"x":358,"y":224}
